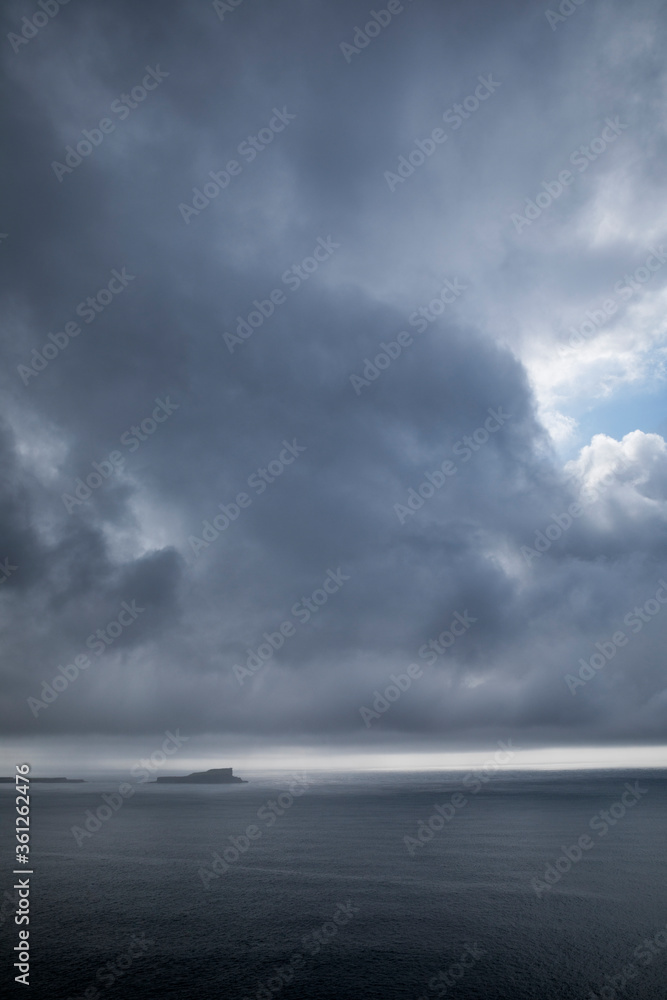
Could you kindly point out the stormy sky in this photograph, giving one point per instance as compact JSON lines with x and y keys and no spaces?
{"x":196,"y":436}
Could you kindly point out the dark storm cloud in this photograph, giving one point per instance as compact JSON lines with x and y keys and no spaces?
{"x":160,"y":337}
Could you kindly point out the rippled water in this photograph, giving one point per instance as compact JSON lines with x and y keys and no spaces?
{"x":141,"y":888}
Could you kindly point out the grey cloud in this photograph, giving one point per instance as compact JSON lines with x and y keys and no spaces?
{"x":334,"y":506}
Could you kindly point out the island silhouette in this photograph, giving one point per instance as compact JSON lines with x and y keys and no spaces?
{"x":29,"y":779}
{"x":214,"y":776}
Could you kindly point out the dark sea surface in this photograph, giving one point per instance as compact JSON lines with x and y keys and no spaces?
{"x":403,"y":919}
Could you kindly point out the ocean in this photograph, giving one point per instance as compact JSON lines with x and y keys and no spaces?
{"x":377,"y":886}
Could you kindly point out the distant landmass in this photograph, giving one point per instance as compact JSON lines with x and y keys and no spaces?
{"x":214,"y":776}
{"x":52,"y":781}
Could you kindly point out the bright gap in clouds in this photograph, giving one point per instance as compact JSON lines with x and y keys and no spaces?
{"x":53,"y":760}
{"x":643,"y":411}
{"x":556,"y":758}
